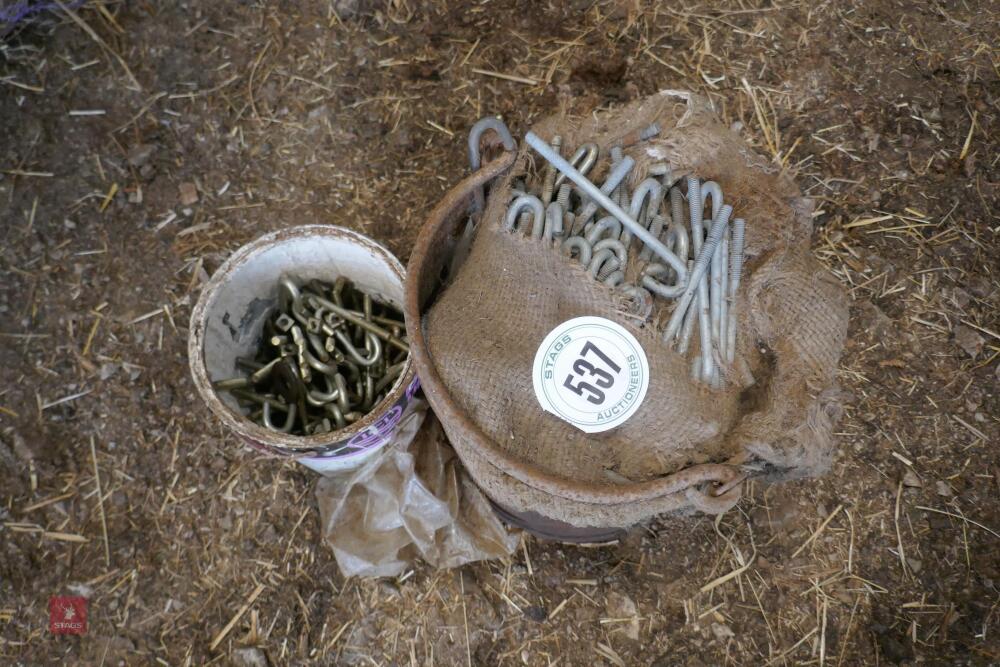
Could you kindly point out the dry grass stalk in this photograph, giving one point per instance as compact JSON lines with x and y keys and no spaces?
{"x":236,"y":617}
{"x":100,"y":502}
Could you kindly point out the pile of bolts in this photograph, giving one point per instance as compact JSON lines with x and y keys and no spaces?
{"x":692,"y":260}
{"x":329,"y":356}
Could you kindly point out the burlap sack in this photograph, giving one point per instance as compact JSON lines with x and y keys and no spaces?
{"x":775,"y":412}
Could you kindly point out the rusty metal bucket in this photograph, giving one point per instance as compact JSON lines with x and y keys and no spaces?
{"x":523,"y":493}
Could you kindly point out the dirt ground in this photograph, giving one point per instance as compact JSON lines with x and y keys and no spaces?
{"x":355,"y":113}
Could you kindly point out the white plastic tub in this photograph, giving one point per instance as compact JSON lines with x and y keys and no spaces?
{"x":227,"y":322}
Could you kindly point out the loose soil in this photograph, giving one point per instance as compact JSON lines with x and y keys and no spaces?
{"x":134,"y":156}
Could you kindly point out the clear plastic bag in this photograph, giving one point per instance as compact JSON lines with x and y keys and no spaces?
{"x":412,"y":500}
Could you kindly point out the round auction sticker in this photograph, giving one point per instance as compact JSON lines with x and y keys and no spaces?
{"x":590,"y":372}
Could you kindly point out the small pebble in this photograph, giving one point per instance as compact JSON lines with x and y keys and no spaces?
{"x":189,"y":194}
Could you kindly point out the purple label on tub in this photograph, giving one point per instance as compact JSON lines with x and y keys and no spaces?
{"x":376,"y":435}
{"x":379,"y":433}
{"x":413,"y":388}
